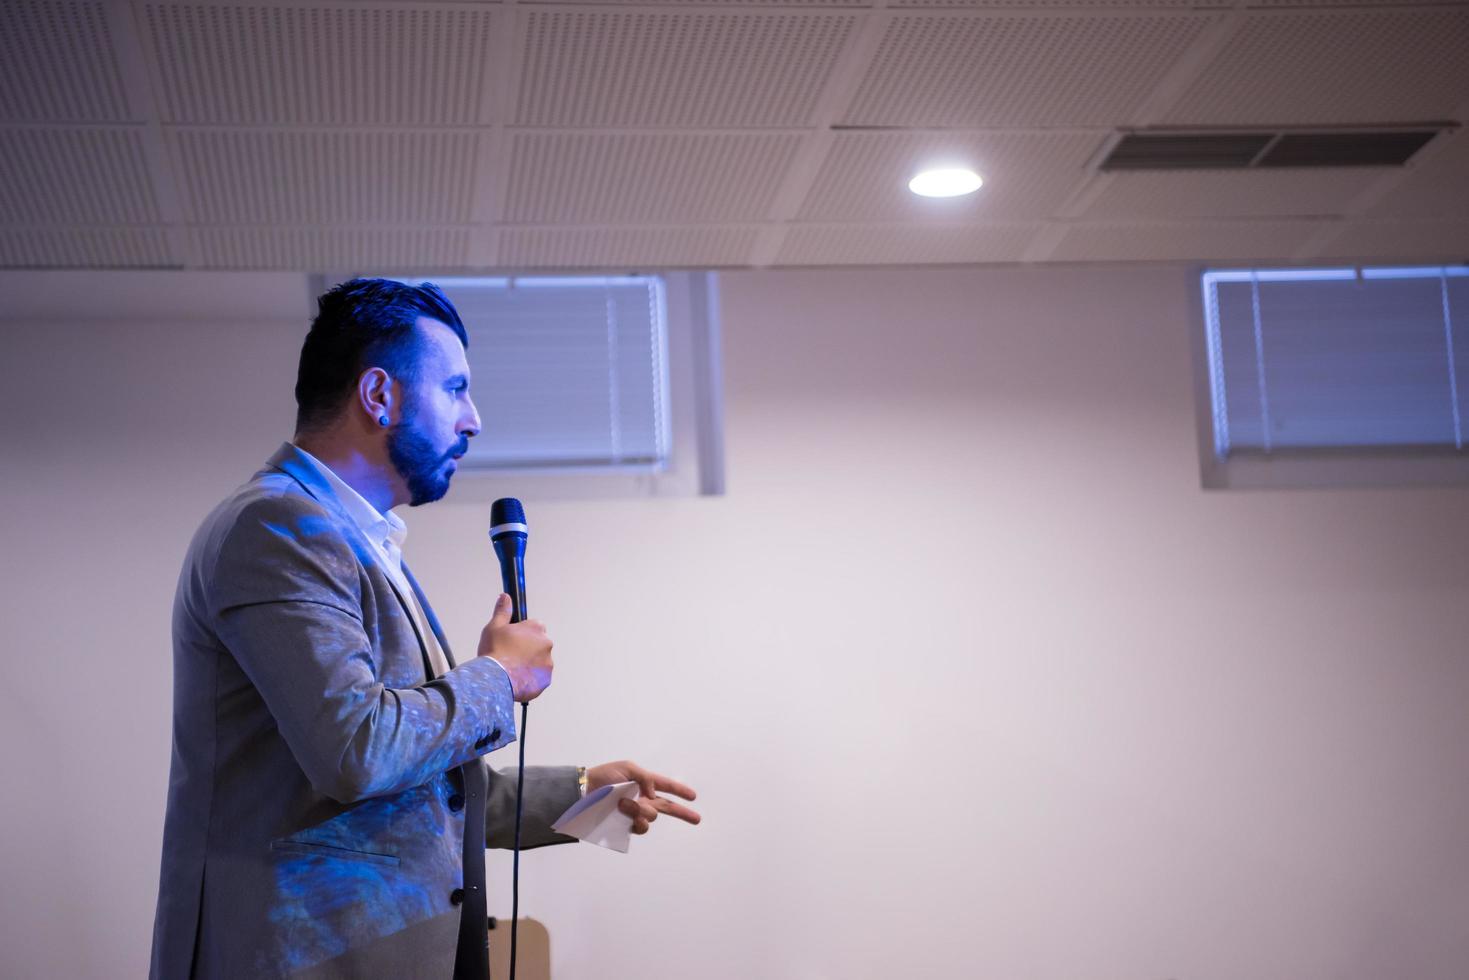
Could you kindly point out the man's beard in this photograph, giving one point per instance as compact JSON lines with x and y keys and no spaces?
{"x":417,"y":461}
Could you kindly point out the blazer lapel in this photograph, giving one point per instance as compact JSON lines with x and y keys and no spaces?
{"x":428,"y":613}
{"x":428,"y":665}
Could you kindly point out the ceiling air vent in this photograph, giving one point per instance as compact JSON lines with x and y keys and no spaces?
{"x":1186,"y":151}
{"x":1249,"y":149}
{"x":1375,"y":149}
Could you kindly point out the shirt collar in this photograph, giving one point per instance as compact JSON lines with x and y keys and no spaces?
{"x":381,"y":529}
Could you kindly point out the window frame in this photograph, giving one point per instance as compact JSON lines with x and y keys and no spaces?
{"x":1301,"y":468}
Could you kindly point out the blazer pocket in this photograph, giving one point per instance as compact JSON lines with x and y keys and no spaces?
{"x":332,"y":851}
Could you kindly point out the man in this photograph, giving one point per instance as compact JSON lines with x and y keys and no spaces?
{"x":328,"y":809}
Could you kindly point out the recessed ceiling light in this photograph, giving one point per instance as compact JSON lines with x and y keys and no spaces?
{"x":945,"y":183}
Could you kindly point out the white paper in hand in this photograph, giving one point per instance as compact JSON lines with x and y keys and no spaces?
{"x":595,"y":818}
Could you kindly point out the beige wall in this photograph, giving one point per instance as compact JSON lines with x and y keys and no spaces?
{"x":974,"y":679}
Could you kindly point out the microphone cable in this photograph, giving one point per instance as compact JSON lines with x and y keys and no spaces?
{"x":515,"y":852}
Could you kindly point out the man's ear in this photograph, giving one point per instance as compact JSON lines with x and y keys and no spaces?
{"x":375,"y":394}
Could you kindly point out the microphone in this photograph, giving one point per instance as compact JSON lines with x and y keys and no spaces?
{"x":508,"y":534}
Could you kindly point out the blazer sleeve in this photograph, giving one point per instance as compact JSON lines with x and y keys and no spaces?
{"x":549,"y":792}
{"x":285,"y":599}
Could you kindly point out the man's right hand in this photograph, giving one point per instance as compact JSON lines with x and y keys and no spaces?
{"x":523,"y":649}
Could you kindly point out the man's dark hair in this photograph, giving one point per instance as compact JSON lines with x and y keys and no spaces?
{"x":359,"y":324}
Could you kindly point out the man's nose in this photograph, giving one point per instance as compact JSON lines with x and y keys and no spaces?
{"x":470,"y":425}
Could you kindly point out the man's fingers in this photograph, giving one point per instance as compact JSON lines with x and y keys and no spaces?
{"x":673,"y":786}
{"x":502,"y":611}
{"x":638,"y":809}
{"x":642,"y":814}
{"x":647,"y":781}
{"x":678,"y":810}
{"x":644,"y":809}
{"x":648,"y":809}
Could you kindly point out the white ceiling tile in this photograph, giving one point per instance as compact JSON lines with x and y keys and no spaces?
{"x":626,"y":248}
{"x":1434,"y":185}
{"x":685,"y":4}
{"x":1027,"y":175}
{"x":75,"y":176}
{"x":57,"y":64}
{"x":85,"y":248}
{"x":1019,"y":69}
{"x":316,"y":64}
{"x":1430,"y":241}
{"x":1232,"y":193}
{"x":674,"y":178}
{"x":311,"y":177}
{"x":358,"y":249}
{"x":888,"y":244}
{"x":1069,"y":5}
{"x":1336,"y":66}
{"x":675,"y":68}
{"x":1235,"y":241}
{"x":1345,"y":3}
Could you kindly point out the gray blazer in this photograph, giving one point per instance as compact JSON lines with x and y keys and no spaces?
{"x":316,"y":813}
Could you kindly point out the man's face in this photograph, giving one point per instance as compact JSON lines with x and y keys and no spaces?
{"x":437,"y":418}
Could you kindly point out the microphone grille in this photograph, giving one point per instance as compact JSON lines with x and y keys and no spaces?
{"x":506,"y":510}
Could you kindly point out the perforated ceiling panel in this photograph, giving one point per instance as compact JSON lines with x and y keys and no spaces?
{"x":56,"y":64}
{"x":721,"y":3}
{"x":1010,"y":70}
{"x":1436,"y":184}
{"x":569,"y":178}
{"x":1232,"y":193}
{"x":905,"y":244}
{"x":1423,"y":241}
{"x":1342,"y":66}
{"x":628,"y":248}
{"x":85,"y":248}
{"x":1235,"y":241}
{"x":316,"y":64}
{"x":632,"y":134}
{"x":307,"y":177}
{"x":347,"y":249}
{"x":1071,"y":5}
{"x":75,"y":176}
{"x":1342,"y":3}
{"x":865,"y":176}
{"x":596,"y":68}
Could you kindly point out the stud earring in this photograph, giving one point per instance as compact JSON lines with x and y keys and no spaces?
{"x":382,"y":420}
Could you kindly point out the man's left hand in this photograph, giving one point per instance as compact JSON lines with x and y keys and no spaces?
{"x":645,"y":809}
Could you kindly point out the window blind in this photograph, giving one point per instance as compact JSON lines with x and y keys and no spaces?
{"x":1331,"y":359}
{"x":567,"y":372}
